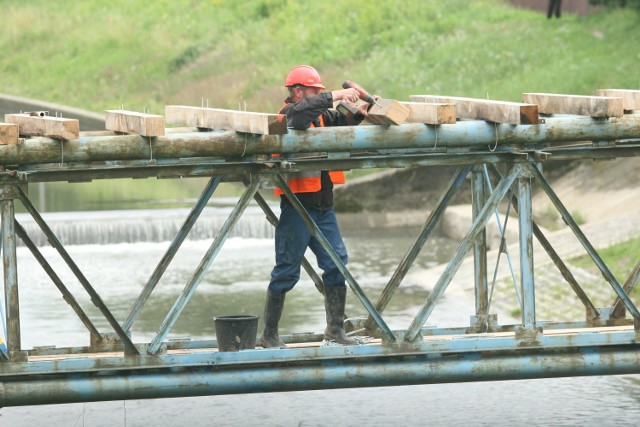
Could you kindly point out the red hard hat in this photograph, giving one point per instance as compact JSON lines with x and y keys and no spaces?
{"x":304,"y":75}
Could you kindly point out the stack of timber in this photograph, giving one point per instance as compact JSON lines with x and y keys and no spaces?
{"x":214,"y":118}
{"x":148,"y":125}
{"x":427,"y":109}
{"x":630,"y":98}
{"x":41,"y":124}
{"x":593,"y":106}
{"x":482,"y":109}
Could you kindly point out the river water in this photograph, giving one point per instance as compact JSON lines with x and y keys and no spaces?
{"x":236,"y":284}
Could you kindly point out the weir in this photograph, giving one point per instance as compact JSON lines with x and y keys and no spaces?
{"x":503,"y":162}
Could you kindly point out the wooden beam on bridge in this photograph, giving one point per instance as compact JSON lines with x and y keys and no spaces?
{"x":134,"y":123}
{"x":388,"y":112}
{"x":514,"y":113}
{"x":8,"y":133}
{"x":432,"y":114}
{"x":593,"y":106}
{"x":214,"y":118}
{"x":630,"y":98}
{"x":41,"y":124}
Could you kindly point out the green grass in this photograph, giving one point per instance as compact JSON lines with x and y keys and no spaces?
{"x":620,"y":258}
{"x":102,"y":54}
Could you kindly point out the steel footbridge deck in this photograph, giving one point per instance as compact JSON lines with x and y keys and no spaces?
{"x":502,"y":162}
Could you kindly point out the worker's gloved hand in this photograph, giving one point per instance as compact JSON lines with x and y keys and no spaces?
{"x":350,"y":95}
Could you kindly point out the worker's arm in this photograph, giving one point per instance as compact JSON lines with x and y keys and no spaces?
{"x":301,"y":114}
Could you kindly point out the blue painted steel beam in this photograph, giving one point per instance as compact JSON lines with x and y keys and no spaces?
{"x":446,"y":277}
{"x":525,"y":218}
{"x":320,"y":375}
{"x":568,"y":219}
{"x":315,"y":232}
{"x":9,"y":259}
{"x":481,"y":280}
{"x":407,"y":261}
{"x":591,"y":310}
{"x":66,"y":294}
{"x":95,"y":297}
{"x":472,"y":133}
{"x":503,"y":245}
{"x":433,"y":346}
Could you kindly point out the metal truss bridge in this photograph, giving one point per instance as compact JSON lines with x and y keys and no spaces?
{"x":116,"y":367}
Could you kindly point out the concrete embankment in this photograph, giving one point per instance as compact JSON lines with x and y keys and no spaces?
{"x":89,"y":121}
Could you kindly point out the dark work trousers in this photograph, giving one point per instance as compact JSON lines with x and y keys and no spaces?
{"x":554,"y":8}
{"x":292,"y":239}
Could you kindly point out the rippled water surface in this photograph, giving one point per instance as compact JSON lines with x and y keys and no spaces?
{"x":236,"y":284}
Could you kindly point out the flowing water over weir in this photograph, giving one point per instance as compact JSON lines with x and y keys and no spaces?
{"x":123,"y":360}
{"x":158,"y":225}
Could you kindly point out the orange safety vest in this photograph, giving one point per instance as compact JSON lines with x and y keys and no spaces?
{"x":309,"y":182}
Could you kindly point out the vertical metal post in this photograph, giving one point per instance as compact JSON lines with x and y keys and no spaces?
{"x":9,"y":259}
{"x":525,"y":217}
{"x":426,"y":309}
{"x":480,"y":245}
{"x":95,"y":297}
{"x":592,"y":311}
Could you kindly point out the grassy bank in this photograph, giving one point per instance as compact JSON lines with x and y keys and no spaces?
{"x":555,"y":299}
{"x":102,"y":54}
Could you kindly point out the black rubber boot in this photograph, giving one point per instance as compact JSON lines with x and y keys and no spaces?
{"x":272,"y":312}
{"x":334,"y":299}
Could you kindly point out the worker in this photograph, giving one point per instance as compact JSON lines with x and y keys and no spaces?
{"x":307,"y":106}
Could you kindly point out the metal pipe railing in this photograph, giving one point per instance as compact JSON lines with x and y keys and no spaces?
{"x":476,"y":134}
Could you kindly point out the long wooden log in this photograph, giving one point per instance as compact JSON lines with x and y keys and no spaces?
{"x":51,"y":127}
{"x":630,"y":98}
{"x":134,"y":123}
{"x":482,"y":109}
{"x":593,"y":106}
{"x":432,"y":114}
{"x":214,"y":118}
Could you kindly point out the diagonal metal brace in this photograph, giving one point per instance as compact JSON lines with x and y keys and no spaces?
{"x":207,"y":260}
{"x":315,"y":232}
{"x":95,"y":297}
{"x":591,"y":309}
{"x":608,"y":275}
{"x":171,"y":251}
{"x":66,"y":294}
{"x":273,"y":220}
{"x":445,"y":279}
{"x":394,"y":282}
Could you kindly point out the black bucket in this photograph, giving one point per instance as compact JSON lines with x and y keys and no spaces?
{"x":236,"y":333}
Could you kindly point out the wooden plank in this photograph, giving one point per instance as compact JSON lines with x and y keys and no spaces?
{"x":433,"y":114}
{"x":51,"y":127}
{"x":134,"y":123}
{"x":214,"y":118}
{"x":389,"y":112}
{"x":630,"y":98}
{"x":593,"y":106}
{"x":8,"y":133}
{"x":514,"y":113}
